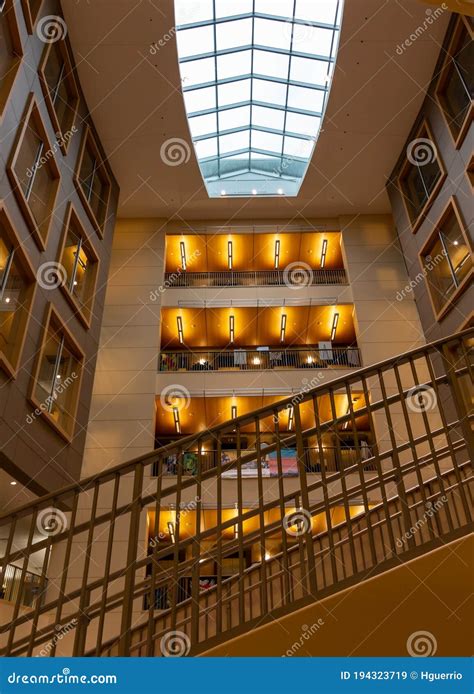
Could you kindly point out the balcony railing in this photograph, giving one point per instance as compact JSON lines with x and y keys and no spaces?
{"x":13,"y":585}
{"x":257,"y":278}
{"x":261,"y":360}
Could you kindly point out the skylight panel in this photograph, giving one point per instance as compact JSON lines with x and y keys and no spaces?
{"x":255,"y":101}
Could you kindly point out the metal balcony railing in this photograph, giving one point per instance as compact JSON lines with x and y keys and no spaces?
{"x":92,"y":556}
{"x":260,"y":360}
{"x":257,"y":278}
{"x":27,"y":591}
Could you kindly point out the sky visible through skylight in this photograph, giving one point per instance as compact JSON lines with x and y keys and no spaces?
{"x":256,"y":76}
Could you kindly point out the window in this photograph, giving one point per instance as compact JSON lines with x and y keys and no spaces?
{"x":31,"y":9}
{"x":16,"y":295}
{"x":447,"y":260}
{"x":80,"y":264}
{"x":93,"y":182}
{"x":456,"y":86}
{"x":470,"y":171}
{"x":422,"y":175}
{"x":255,"y":79}
{"x":56,"y":383}
{"x":60,"y":90}
{"x":10,"y":50}
{"x":34,"y":173}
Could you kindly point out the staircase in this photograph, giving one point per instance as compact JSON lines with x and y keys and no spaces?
{"x":104,"y":590}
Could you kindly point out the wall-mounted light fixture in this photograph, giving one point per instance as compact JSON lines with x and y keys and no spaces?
{"x":179,"y":322}
{"x":283,"y":327}
{"x":236,"y":526}
{"x":171,"y":531}
{"x":230,"y":255}
{"x":277,"y":254}
{"x":182,"y":250}
{"x":231,"y":328}
{"x":233,"y":412}
{"x":335,"y":321}
{"x":324,"y":250}
{"x":291,"y":413}
{"x":177,"y":423}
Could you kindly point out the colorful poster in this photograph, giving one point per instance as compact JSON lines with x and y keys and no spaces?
{"x":268,"y":462}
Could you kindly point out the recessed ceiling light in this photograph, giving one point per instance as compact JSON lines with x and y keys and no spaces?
{"x":254,"y":192}
{"x":223,"y":192}
{"x":13,"y":483}
{"x":280,"y":191}
{"x":7,"y":300}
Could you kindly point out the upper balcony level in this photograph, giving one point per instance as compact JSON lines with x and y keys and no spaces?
{"x":263,"y":259}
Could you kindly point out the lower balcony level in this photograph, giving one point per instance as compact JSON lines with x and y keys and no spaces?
{"x":328,"y":357}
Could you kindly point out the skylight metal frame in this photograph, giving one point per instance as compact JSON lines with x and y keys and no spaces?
{"x":271,"y":165}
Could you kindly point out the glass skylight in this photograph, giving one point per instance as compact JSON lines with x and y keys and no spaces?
{"x":256,"y":76}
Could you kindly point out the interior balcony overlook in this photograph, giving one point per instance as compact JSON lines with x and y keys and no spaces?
{"x":250,"y":339}
{"x":266,"y":259}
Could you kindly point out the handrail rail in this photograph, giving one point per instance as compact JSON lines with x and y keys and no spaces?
{"x":245,"y":418}
{"x":110,"y":510}
{"x":255,"y":278}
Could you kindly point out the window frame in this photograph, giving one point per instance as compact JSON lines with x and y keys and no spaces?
{"x":30,"y":17}
{"x":470,"y":171}
{"x":416,"y":223}
{"x":5,"y":91}
{"x":84,"y":314}
{"x":89,"y":138}
{"x":443,"y":76}
{"x":53,"y":318}
{"x":71,"y":80}
{"x":451,"y":206}
{"x":10,"y":365}
{"x":37,"y":231}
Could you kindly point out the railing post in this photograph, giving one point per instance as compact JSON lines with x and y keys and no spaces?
{"x":458,"y":398}
{"x":135,"y":513}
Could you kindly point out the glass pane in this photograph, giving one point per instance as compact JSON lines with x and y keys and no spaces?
{"x":64,"y":390}
{"x":234,"y":92}
{"x":197,"y":72}
{"x":6,"y":48}
{"x":235,"y":141}
{"x":269,"y":92}
{"x":322,"y":11}
{"x":44,"y":385}
{"x":272,"y":34}
{"x":26,"y":158}
{"x":273,"y":64}
{"x":268,"y":117}
{"x":306,"y":99}
{"x":5,"y":252}
{"x":195,"y":41}
{"x":310,"y":71}
{"x":282,"y":8}
{"x":234,"y":34}
{"x":234,"y":118}
{"x":298,"y":148}
{"x":200,"y":100}
{"x":206,"y":148}
{"x":457,"y":248}
{"x":267,"y":141}
{"x":309,"y":39}
{"x":224,"y":8}
{"x":39,"y":200}
{"x":11,"y":300}
{"x":306,"y":125}
{"x":99,"y":195}
{"x":187,"y":11}
{"x":203,"y":125}
{"x":234,"y":64}
{"x":414,"y":191}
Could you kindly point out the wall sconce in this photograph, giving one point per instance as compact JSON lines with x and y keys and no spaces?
{"x":230,"y":255}
{"x":171,"y":531}
{"x":236,"y":526}
{"x":182,"y":250}
{"x":231,"y":328}
{"x":283,"y":327}
{"x":177,"y":423}
{"x":277,"y":254}
{"x":291,"y":412}
{"x":323,"y":253}
{"x":233,"y":412}
{"x":179,"y":322}
{"x":335,"y":321}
